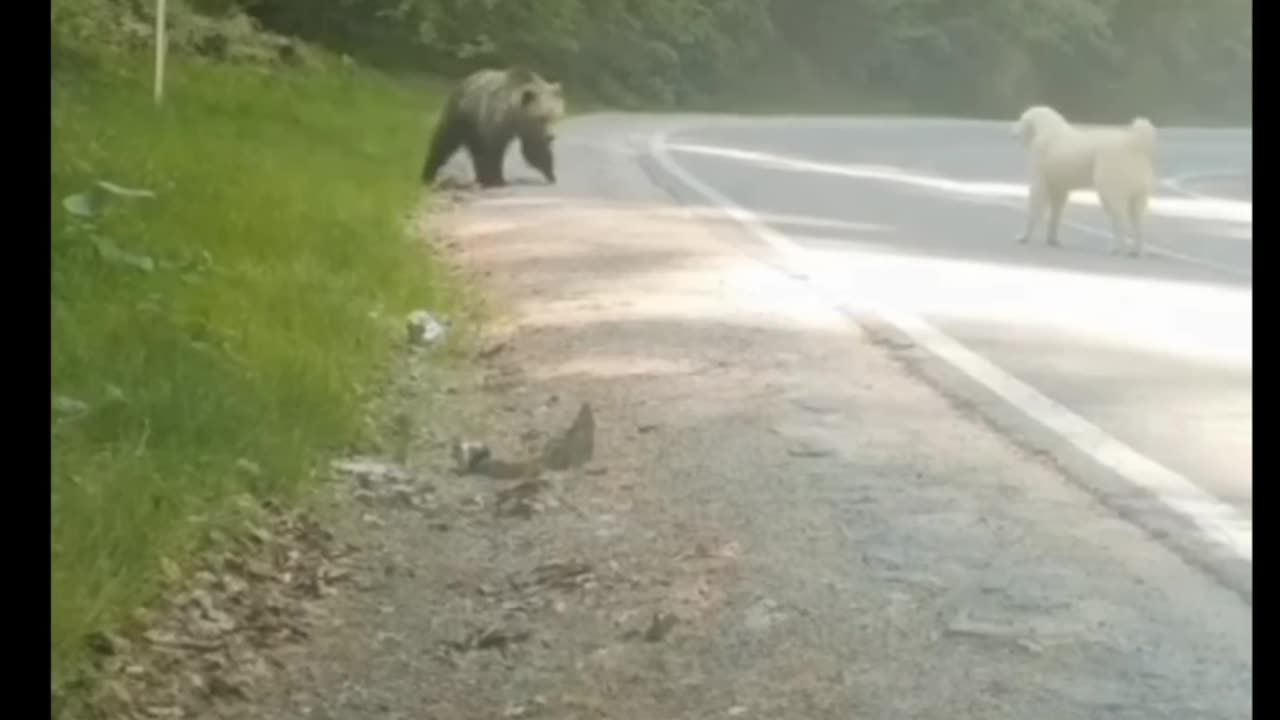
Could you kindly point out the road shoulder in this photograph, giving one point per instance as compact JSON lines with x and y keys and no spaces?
{"x":775,"y":520}
{"x":778,"y":521}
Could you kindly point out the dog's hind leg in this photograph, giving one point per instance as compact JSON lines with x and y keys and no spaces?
{"x":1117,"y":213}
{"x":1137,"y":208}
{"x":1035,"y":211}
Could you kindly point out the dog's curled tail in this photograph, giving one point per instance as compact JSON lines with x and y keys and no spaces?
{"x":1142,"y":135}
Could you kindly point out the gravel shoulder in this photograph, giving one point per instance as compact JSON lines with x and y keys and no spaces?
{"x":777,"y":519}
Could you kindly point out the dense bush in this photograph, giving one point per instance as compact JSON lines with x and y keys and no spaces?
{"x":1174,"y":59}
{"x":1177,"y":60}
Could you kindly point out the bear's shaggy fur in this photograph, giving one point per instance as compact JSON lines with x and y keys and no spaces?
{"x":489,"y":109}
{"x":1119,"y":163}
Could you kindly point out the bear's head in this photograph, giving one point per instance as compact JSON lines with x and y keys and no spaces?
{"x":542,"y":101}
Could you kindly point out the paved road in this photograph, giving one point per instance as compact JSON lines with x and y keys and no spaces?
{"x":922,"y":214}
{"x":893,"y":557}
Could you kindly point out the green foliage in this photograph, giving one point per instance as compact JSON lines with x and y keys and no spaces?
{"x":101,"y":31}
{"x":1100,"y":57}
{"x":1173,"y":59}
{"x":218,"y":338}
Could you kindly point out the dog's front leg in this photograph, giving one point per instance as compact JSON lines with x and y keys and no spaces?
{"x":1057,"y":203}
{"x":1035,"y":211}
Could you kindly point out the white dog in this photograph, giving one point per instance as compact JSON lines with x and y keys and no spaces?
{"x":1118,"y":162}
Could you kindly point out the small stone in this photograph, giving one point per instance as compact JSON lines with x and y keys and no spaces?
{"x":229,"y":686}
{"x":561,"y":575}
{"x":576,"y":446}
{"x":659,"y":627}
{"x":503,"y":469}
{"x":496,"y":639}
{"x":526,"y":710}
{"x":522,"y":500}
{"x":492,"y":350}
{"x":964,"y":624}
{"x":371,"y":472}
{"x":403,"y":494}
{"x":762,"y":616}
{"x":805,"y":450}
{"x":468,"y":454}
{"x":423,"y":329}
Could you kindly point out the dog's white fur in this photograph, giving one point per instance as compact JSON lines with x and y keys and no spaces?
{"x":1119,"y":163}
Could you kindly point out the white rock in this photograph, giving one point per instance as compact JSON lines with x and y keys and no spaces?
{"x":424,"y":329}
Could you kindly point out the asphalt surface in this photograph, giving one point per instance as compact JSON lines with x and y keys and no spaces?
{"x":922,"y":214}
{"x":831,"y":533}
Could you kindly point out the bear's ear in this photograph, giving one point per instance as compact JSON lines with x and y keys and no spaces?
{"x":527,"y":96}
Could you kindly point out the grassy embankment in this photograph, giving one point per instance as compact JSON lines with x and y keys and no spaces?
{"x":219,"y":338}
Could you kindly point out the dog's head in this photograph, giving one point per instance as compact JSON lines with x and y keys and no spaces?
{"x":1035,"y":121}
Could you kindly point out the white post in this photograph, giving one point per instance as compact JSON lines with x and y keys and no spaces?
{"x":161,"y":46}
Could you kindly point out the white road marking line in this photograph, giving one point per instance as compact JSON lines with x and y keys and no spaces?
{"x":1219,"y":522}
{"x":1104,"y":233}
{"x":1149,"y":247}
{"x":1179,"y":182}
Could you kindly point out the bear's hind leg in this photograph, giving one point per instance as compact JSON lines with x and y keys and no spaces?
{"x":445,"y":141}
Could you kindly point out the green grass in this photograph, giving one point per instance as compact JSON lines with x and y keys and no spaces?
{"x":281,"y":274}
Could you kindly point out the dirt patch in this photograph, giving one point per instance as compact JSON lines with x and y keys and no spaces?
{"x":213,"y":640}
